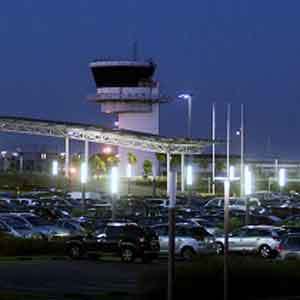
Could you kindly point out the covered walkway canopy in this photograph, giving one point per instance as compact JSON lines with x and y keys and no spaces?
{"x":98,"y":134}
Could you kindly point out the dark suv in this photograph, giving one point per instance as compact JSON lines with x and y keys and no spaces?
{"x":128,"y":241}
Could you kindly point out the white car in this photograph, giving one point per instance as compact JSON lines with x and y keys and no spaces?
{"x":261,"y":239}
{"x":190,"y":240}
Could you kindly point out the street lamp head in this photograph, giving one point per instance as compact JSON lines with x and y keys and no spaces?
{"x":185,"y":96}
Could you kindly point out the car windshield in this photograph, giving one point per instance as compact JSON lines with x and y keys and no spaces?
{"x":15,"y":223}
{"x":37,"y":221}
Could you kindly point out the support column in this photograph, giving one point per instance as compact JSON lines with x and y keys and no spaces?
{"x":168,"y":172}
{"x":182,"y":173}
{"x":67,"y":156}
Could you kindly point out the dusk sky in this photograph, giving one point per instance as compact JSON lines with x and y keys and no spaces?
{"x":244,"y":51}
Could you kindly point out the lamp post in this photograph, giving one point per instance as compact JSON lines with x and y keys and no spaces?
{"x":187,"y":97}
{"x":172,"y":225}
{"x":241,"y":133}
{"x":213,"y":148}
{"x":248,"y":190}
{"x":227,"y":181}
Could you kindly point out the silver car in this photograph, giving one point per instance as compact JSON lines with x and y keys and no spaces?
{"x":261,"y":239}
{"x":14,"y":226}
{"x":46,"y":229}
{"x":190,"y":240}
{"x":289,"y":247}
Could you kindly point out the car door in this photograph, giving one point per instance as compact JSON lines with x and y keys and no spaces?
{"x":162,"y":232}
{"x":235,"y":238}
{"x":111,"y":238}
{"x":250,"y":240}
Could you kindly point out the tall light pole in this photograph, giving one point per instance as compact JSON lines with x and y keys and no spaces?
{"x":187,"y":97}
{"x":229,"y":177}
{"x":213,"y":148}
{"x":242,"y":133}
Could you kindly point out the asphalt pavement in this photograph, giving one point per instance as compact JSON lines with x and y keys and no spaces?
{"x":71,"y":277}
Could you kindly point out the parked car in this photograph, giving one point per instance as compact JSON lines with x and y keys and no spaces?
{"x":190,"y":240}
{"x":289,"y":247}
{"x":255,"y":239}
{"x":47,"y":229}
{"x":16,"y":227}
{"x":234,"y":204}
{"x":126,"y":240}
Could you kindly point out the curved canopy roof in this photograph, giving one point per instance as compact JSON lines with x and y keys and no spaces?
{"x":99,"y":134}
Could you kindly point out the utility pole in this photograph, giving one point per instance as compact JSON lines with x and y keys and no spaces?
{"x":172,"y":225}
{"x":242,"y":182}
{"x":213,"y":148}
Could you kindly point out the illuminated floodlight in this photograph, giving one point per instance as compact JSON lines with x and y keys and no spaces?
{"x":83,"y":173}
{"x":248,"y":181}
{"x":129,"y":171}
{"x":185,"y":96}
{"x":55,"y":168}
{"x":282,"y":177}
{"x":189,"y":175}
{"x":231,"y":172}
{"x":72,"y":170}
{"x":3,"y":153}
{"x":114,"y":180}
{"x":107,"y":150}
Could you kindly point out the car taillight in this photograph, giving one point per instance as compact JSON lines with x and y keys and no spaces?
{"x":279,"y":248}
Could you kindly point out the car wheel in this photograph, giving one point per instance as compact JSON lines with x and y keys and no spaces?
{"x":265,"y":251}
{"x":127,"y":255}
{"x":188,"y":253}
{"x":75,"y":252}
{"x":219,"y":248}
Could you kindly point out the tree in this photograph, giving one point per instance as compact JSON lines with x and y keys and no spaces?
{"x":147,"y":166}
{"x":132,"y":159}
{"x":161,"y":157}
{"x":97,"y":164}
{"x":112,"y":160}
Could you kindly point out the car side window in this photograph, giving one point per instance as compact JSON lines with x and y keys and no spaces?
{"x":113,"y":231}
{"x":180,"y":231}
{"x":253,"y":233}
{"x":264,"y":233}
{"x":161,"y":230}
{"x":238,"y":233}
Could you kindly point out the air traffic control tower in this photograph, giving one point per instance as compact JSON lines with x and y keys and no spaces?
{"x":127,"y":89}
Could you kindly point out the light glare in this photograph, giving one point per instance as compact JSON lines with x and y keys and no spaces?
{"x":114,"y":180}
{"x":282,"y":177}
{"x":129,"y":171}
{"x":248,"y":181}
{"x":55,"y":168}
{"x":189,"y":175}
{"x":83,"y":173}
